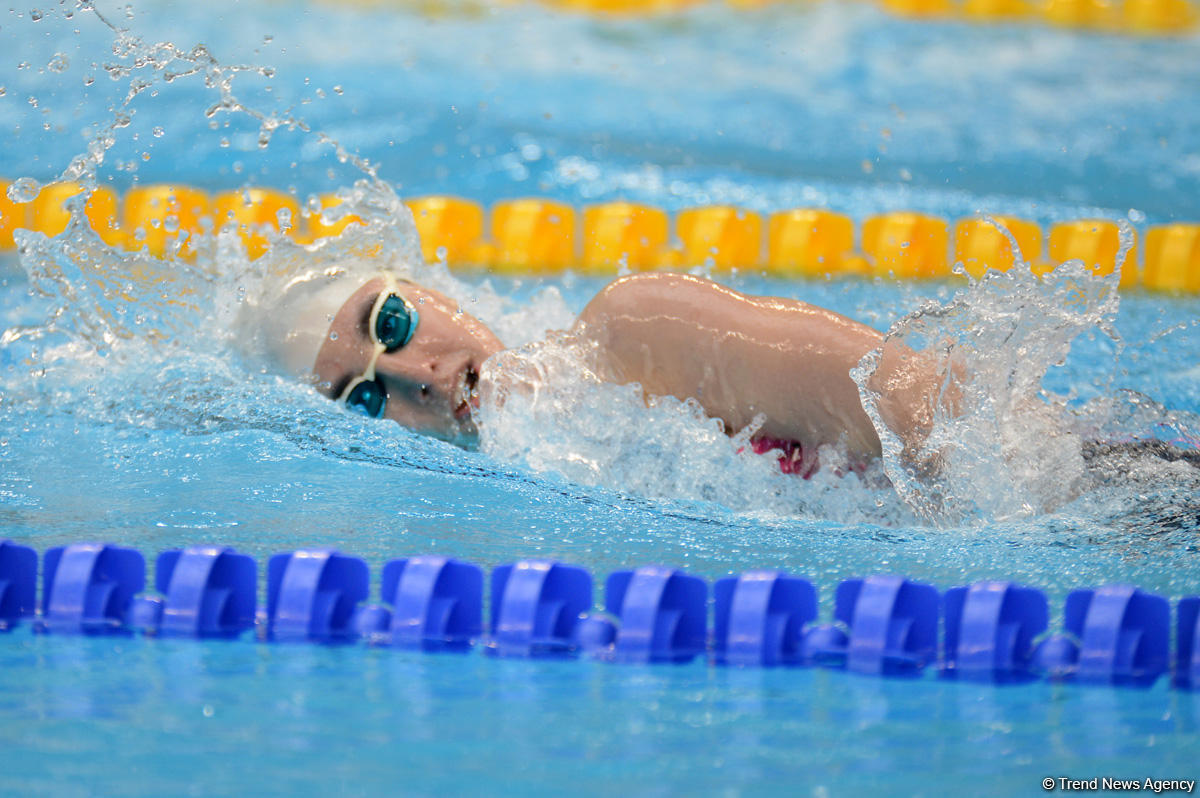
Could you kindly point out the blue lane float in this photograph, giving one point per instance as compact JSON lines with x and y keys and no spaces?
{"x":207,"y":591}
{"x":87,"y":588}
{"x":312,"y":596}
{"x":18,"y":584}
{"x":536,"y":607}
{"x":886,"y":625}
{"x":990,"y":630}
{"x":1187,"y":658}
{"x":882,"y":624}
{"x":661,"y":613}
{"x":1115,"y":634}
{"x":759,"y":618}
{"x":436,"y":603}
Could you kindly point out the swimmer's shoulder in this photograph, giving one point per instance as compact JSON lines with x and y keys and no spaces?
{"x":656,"y":294}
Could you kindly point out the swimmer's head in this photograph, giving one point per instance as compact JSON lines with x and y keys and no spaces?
{"x":394,"y":349}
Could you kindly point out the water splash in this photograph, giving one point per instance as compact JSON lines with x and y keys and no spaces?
{"x":545,"y":405}
{"x":1001,"y":446}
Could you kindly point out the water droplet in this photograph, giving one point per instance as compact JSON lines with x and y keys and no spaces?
{"x":337,"y":89}
{"x":3,"y":91}
{"x":36,"y":15}
{"x":158,"y":132}
{"x":333,"y":336}
{"x":58,"y":62}
{"x":24,"y":189}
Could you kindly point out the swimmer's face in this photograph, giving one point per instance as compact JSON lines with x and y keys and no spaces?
{"x":429,"y":380}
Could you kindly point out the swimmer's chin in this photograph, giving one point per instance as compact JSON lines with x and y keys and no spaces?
{"x":463,"y":433}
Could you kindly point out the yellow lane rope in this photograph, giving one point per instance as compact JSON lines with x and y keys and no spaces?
{"x":1130,"y":17}
{"x":543,"y":237}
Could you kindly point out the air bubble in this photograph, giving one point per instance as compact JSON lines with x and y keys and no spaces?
{"x":58,"y":63}
{"x":158,"y":132}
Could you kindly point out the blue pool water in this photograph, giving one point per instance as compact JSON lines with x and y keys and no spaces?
{"x":127,"y":418}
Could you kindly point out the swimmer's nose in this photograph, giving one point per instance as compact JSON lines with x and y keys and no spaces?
{"x":428,"y":376}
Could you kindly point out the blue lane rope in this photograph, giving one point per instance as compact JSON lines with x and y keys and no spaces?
{"x":992,"y":631}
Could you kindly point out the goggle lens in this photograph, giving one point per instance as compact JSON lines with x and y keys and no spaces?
{"x":368,"y":398}
{"x":395,"y":325}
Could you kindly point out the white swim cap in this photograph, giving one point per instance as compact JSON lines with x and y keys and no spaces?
{"x":288,"y":325}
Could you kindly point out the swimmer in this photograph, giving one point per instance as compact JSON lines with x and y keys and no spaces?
{"x":390,"y":348}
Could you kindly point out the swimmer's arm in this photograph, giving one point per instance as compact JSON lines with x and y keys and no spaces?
{"x":740,"y":356}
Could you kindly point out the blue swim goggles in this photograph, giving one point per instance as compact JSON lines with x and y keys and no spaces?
{"x":392,"y":322}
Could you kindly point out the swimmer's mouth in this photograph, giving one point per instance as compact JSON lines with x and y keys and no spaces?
{"x":469,"y":394}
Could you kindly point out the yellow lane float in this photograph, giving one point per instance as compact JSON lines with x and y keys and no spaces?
{"x":451,"y":230}
{"x":1173,"y":258}
{"x":156,"y":217}
{"x":622,"y":234}
{"x":811,"y":242}
{"x":979,"y":245}
{"x":533,"y":235}
{"x":1096,"y":243}
{"x":721,"y":235}
{"x":252,"y":212}
{"x":906,"y":245}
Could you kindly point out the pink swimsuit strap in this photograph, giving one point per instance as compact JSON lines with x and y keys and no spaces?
{"x":793,"y":457}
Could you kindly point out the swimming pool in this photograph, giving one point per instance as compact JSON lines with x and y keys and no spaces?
{"x":158,"y":444}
